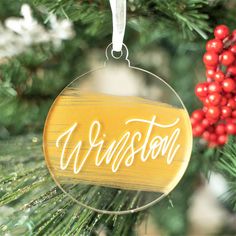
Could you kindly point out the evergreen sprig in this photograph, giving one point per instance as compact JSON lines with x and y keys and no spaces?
{"x":33,"y":205}
{"x":226,"y":165}
{"x":186,"y":16}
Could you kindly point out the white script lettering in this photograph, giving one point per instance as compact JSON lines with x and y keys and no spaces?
{"x":122,"y":150}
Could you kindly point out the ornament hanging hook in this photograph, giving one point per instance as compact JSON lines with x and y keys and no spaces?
{"x":118,"y":8}
{"x":124,"y":52}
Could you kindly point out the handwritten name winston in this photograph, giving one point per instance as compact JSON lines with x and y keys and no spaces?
{"x":122,"y":150}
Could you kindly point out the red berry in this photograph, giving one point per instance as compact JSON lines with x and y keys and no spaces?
{"x":221,"y":31}
{"x":210,"y":73}
{"x":213,"y":113}
{"x":206,"y":135}
{"x":223,"y":101}
{"x":231,"y":128}
{"x":211,"y":67}
{"x":205,"y":123}
{"x":226,"y":112}
{"x":198,"y":115}
{"x":214,"y":98}
{"x":231,"y":71}
{"x":219,"y":76}
{"x":234,"y":34}
{"x":205,"y":108}
{"x":220,"y":129}
{"x":206,"y":103}
{"x":202,"y":99}
{"x":234,"y":114}
{"x":214,"y":45}
{"x":228,"y":95}
{"x":201,"y":90}
{"x":193,"y":121}
{"x":227,"y":58}
{"x":213,"y":121}
{"x":211,"y":129}
{"x":231,"y":103}
{"x":229,"y":85}
{"x":222,"y":139}
{"x":214,"y":87}
{"x":210,"y":58}
{"x":233,"y":48}
{"x":198,"y":130}
{"x":213,"y":137}
{"x":229,"y":120}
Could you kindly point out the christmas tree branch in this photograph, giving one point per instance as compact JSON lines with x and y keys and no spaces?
{"x":226,"y":165}
{"x":27,"y":188}
{"x":188,"y":16}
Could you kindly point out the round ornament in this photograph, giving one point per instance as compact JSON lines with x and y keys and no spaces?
{"x":118,"y":133}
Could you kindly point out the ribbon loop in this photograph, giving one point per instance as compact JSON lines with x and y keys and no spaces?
{"x":118,"y":8}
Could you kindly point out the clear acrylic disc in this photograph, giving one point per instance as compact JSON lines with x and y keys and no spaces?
{"x":118,"y":133}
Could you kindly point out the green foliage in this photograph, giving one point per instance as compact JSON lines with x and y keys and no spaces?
{"x":226,"y":165}
{"x":27,"y":190}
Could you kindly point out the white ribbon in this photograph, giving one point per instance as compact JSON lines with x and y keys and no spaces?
{"x":118,"y":8}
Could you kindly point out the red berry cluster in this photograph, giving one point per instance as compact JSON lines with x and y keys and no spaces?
{"x":217,"y":119}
